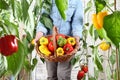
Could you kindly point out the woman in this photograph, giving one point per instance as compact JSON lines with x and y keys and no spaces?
{"x":72,"y":26}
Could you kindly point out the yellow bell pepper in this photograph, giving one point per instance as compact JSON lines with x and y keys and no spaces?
{"x":43,"y":41}
{"x":100,"y":17}
{"x":60,"y":51}
{"x":71,"y":41}
{"x":95,"y":23}
{"x":97,"y":19}
{"x":104,"y":46}
{"x":33,"y":42}
{"x":43,"y":49}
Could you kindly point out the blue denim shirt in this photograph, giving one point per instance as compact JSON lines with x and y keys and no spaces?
{"x":73,"y":24}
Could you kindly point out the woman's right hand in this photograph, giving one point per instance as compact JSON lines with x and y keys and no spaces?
{"x":38,"y":35}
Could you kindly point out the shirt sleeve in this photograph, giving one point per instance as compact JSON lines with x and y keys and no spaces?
{"x":41,"y":28}
{"x":77,"y":21}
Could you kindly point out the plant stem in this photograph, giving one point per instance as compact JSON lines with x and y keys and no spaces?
{"x":110,"y":65}
{"x":115,"y":4}
{"x":109,"y":8}
{"x":117,"y":64}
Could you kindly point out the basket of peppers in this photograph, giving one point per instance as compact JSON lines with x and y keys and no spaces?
{"x":56,"y":47}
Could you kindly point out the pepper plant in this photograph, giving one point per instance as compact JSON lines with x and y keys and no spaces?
{"x":108,"y":32}
{"x":20,"y":18}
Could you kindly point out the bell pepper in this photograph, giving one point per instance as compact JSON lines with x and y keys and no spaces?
{"x":50,"y":46}
{"x":43,"y":41}
{"x":60,"y":51}
{"x":43,"y":49}
{"x":104,"y":46}
{"x":71,"y":41}
{"x":61,"y":41}
{"x":97,"y":19}
{"x":33,"y":42}
{"x":100,"y":17}
{"x":50,"y":38}
{"x":60,"y":35}
{"x":94,"y":20}
{"x":8,"y":45}
{"x":68,"y":48}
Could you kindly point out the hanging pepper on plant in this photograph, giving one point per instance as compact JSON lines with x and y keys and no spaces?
{"x":71,"y":41}
{"x":68,"y":48}
{"x":8,"y":45}
{"x":104,"y":46}
{"x":60,"y":51}
{"x":98,"y":18}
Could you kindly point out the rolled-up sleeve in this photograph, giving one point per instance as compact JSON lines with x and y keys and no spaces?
{"x":77,"y":22}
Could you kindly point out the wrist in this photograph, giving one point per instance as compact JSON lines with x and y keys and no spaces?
{"x":77,"y":38}
{"x":38,"y":35}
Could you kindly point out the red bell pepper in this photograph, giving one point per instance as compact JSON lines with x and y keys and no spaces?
{"x":51,"y":47}
{"x":50,"y":38}
{"x":8,"y":45}
{"x":68,"y":48}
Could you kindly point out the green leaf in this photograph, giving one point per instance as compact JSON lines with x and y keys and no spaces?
{"x":3,"y":4}
{"x":84,"y":44}
{"x":18,"y":11}
{"x":4,"y":28}
{"x":75,"y":60}
{"x":91,"y":30}
{"x":89,"y":5}
{"x":3,"y":65}
{"x":91,"y":78}
{"x":85,"y":33}
{"x":99,"y":4}
{"x":27,"y":65}
{"x":13,"y":28}
{"x":12,"y":2}
{"x":16,"y":60}
{"x":30,"y":66}
{"x":34,"y":63}
{"x":42,"y":59}
{"x":119,"y":54}
{"x":47,"y":5}
{"x":102,"y":34}
{"x":45,"y":19}
{"x":112,"y":58}
{"x":25,"y":7}
{"x":95,"y":35}
{"x":98,"y":63}
{"x":97,"y":60}
{"x":112,"y":27}
{"x":62,"y":5}
{"x":25,"y":42}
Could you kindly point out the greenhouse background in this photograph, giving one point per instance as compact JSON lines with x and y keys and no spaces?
{"x":19,"y":17}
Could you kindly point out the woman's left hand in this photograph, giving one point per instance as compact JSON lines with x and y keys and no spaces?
{"x":77,"y":38}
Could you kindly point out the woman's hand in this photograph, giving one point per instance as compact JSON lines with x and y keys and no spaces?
{"x":38,"y":35}
{"x":77,"y":42}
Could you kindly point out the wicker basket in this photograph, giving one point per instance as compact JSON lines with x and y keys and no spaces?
{"x":55,"y":58}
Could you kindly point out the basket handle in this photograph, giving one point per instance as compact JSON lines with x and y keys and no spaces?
{"x":55,"y":32}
